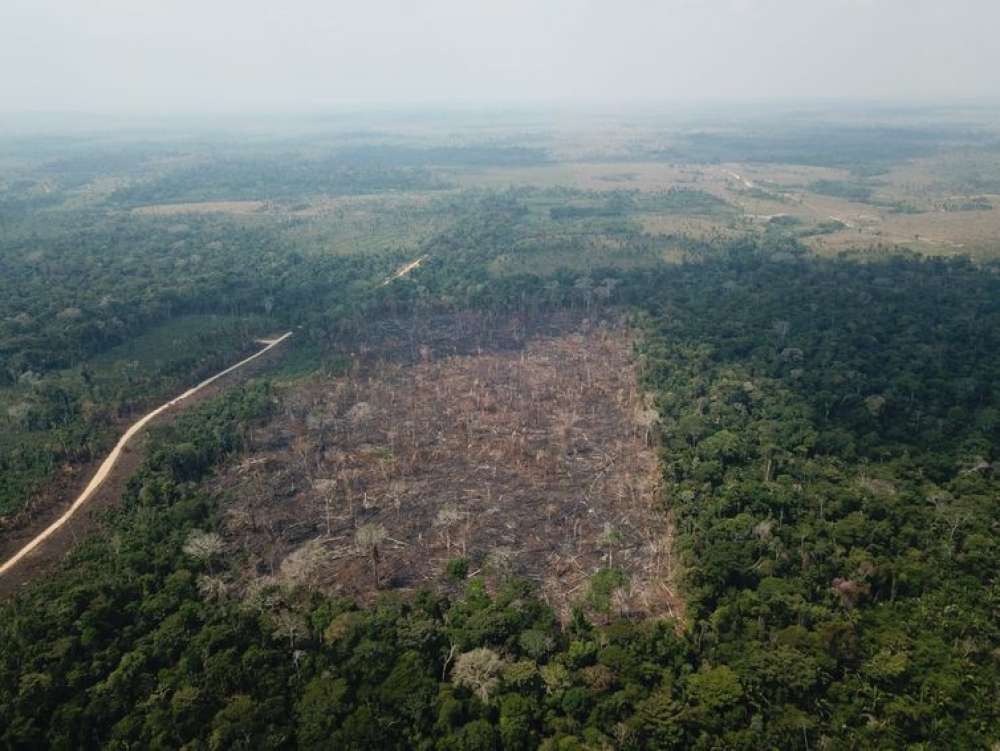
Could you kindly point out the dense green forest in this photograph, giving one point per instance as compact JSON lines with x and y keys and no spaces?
{"x":828,"y":442}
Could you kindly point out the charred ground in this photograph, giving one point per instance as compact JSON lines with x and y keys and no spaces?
{"x":506,"y":445}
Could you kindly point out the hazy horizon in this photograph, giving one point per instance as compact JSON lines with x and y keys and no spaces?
{"x":115,"y":57}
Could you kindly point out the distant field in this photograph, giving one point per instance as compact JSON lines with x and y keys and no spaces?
{"x":346,"y":225}
{"x":202,"y":207}
{"x":338,"y":225}
{"x":914,"y":204}
{"x":582,"y":176}
{"x":936,"y":204}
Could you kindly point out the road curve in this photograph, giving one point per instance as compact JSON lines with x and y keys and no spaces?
{"x":109,"y":462}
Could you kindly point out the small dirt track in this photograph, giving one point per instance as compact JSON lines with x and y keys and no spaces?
{"x":109,"y":463}
{"x":403,"y":271}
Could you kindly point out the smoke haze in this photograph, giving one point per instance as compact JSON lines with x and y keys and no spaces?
{"x":182,"y":55}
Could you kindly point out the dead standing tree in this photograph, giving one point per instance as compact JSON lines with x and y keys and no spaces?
{"x":367,"y":538}
{"x":447,"y":517}
{"x":204,"y":546}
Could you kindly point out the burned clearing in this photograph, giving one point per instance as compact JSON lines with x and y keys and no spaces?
{"x":456,"y":446}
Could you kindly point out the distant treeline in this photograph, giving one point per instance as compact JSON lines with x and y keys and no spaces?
{"x":831,"y":146}
{"x":272,"y":178}
{"x":621,"y":203}
{"x":351,"y":171}
{"x":474,"y":155}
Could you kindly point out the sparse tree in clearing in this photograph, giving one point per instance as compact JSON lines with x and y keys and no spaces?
{"x":303,"y":450}
{"x":303,"y":564}
{"x":446,"y":517}
{"x":326,"y":490}
{"x":367,"y":538}
{"x":479,"y":671}
{"x":348,"y":477}
{"x":328,"y":507}
{"x":397,"y":489}
{"x":621,"y":599}
{"x":203,"y":546}
{"x":646,"y":418}
{"x":611,"y":538}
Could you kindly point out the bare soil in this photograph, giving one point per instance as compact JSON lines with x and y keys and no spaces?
{"x":521,"y":445}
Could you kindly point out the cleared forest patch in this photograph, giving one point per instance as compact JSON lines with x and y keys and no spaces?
{"x":462,"y":445}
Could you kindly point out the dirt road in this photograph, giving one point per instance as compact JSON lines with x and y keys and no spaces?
{"x":404,"y":270}
{"x":112,"y":458}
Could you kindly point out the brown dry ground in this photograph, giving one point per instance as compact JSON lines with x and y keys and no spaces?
{"x":520,"y":445}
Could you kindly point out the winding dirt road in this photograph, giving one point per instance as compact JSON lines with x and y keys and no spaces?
{"x":112,"y":458}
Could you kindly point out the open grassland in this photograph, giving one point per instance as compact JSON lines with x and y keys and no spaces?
{"x":336,"y":225}
{"x":932,"y":204}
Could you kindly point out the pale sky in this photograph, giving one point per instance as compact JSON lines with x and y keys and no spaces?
{"x":191,"y":55}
